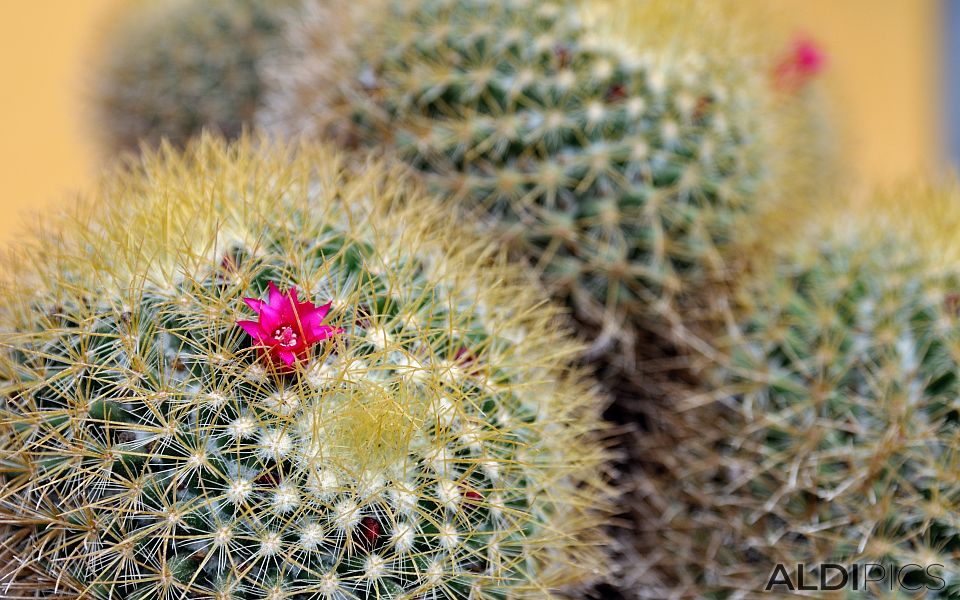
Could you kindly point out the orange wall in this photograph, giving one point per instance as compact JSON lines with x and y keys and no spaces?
{"x":45,"y":150}
{"x":882,"y":73}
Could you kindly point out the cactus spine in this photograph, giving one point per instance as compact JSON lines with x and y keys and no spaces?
{"x":438,"y":446}
{"x":617,"y":158}
{"x":831,"y":432}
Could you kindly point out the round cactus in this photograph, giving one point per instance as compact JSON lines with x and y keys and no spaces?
{"x":614,"y":144}
{"x":178,"y":66}
{"x":829,"y":435}
{"x":248,"y":373}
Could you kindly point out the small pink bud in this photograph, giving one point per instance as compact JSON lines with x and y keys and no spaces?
{"x":616,"y":92}
{"x":467,"y":360}
{"x":268,"y":478}
{"x":802,"y":63}
{"x":369,"y":531}
{"x":472,"y":496}
{"x":228,"y":263}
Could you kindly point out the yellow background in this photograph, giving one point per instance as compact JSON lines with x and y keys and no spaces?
{"x":882,"y":73}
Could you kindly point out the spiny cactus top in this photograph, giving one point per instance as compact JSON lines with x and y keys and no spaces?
{"x":614,"y":144}
{"x":175,"y":67}
{"x":835,"y":433}
{"x":250,"y":373}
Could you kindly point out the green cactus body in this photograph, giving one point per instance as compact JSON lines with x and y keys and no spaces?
{"x":834,"y":432}
{"x":175,"y":67}
{"x":439,"y":446}
{"x":619,"y":169}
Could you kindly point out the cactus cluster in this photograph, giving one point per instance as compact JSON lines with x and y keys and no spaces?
{"x":437,"y":444}
{"x":615,"y":144}
{"x":830,"y":433}
{"x":176,"y":67}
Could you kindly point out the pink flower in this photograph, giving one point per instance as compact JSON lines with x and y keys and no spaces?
{"x":804,"y":60}
{"x":288,"y":329}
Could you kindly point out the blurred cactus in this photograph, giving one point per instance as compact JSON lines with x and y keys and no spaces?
{"x":832,"y":433}
{"x":615,"y":144}
{"x":434,"y":443}
{"x":175,"y":67}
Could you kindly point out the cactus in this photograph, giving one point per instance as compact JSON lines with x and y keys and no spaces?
{"x":616,"y":144}
{"x":175,"y":67}
{"x":832,"y":434}
{"x":422,"y":434}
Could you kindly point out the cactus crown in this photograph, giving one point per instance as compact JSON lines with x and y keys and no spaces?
{"x":834,"y":433}
{"x":922,"y":214}
{"x":175,"y":67}
{"x":438,"y":445}
{"x":617,"y":162}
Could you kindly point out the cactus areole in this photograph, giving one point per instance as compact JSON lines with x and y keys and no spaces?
{"x":422,"y":434}
{"x":617,"y":145}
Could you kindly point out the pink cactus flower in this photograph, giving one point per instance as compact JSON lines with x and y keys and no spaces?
{"x":801,"y":64}
{"x":288,"y":329}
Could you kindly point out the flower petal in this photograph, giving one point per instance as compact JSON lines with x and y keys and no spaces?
{"x":309,"y":322}
{"x":287,"y":311}
{"x":287,"y":357}
{"x":325,"y":331}
{"x":270,"y":319}
{"x":322,"y":310}
{"x":253,"y":328}
{"x":276,"y":297}
{"x":255,"y":303}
